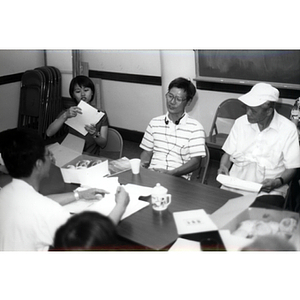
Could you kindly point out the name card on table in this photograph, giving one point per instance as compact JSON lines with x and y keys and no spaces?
{"x":90,"y":115}
{"x":193,"y":221}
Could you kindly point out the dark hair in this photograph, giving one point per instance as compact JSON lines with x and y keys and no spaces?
{"x":88,"y":230}
{"x":82,"y":81}
{"x":20,"y":150}
{"x":186,"y":85}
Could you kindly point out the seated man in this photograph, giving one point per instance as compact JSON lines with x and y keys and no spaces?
{"x":262,"y":146}
{"x":174,"y":143}
{"x":29,"y":220}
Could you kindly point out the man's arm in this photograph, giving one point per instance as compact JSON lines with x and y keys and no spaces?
{"x":225,"y":164}
{"x":186,"y":168}
{"x":122,"y":201}
{"x":271,"y":184}
{"x":89,"y":194}
{"x":146,"y":157}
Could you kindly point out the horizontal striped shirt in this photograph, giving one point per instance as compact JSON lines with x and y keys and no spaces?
{"x":173,"y":145}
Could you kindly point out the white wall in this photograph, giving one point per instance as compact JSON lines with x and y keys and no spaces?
{"x":11,"y":62}
{"x":129,"y":105}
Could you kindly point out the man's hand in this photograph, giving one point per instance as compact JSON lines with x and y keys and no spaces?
{"x":92,"y":194}
{"x":122,"y":197}
{"x":270,"y":184}
{"x":162,"y":171}
{"x":223,"y":170}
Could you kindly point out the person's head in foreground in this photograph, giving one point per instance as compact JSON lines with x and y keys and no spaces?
{"x":86,"y":231}
{"x":24,"y":151}
{"x":82,"y":88}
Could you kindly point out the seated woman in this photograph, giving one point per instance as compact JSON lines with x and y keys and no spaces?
{"x":82,"y":89}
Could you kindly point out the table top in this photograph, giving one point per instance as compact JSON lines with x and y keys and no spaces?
{"x":149,"y":228}
{"x":155,"y":229}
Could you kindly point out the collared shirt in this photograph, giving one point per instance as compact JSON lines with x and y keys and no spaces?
{"x":173,"y":144}
{"x":28,"y":220}
{"x":259,"y":155}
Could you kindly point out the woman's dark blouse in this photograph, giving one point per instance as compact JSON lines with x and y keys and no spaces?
{"x":91,"y":147}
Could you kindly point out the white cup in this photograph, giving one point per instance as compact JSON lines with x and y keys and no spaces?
{"x":135,"y":165}
{"x":160,"y":200}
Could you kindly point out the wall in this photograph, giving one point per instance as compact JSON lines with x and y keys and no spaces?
{"x":129,"y":105}
{"x":12,"y":62}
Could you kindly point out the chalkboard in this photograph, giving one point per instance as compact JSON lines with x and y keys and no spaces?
{"x":281,"y":68}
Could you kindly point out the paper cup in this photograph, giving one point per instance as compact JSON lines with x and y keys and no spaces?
{"x":135,"y":165}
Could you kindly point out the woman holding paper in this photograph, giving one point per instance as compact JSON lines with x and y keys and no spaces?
{"x":82,"y":89}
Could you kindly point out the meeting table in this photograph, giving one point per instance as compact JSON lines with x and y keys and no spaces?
{"x":148,"y":229}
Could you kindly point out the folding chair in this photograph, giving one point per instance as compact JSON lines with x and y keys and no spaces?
{"x":114,"y":146}
{"x":229,"y":110}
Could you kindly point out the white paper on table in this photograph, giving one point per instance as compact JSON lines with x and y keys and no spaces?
{"x":106,"y":205}
{"x":85,"y":176}
{"x":237,"y":183}
{"x":185,"y":245}
{"x":90,"y":115}
{"x":231,"y":209}
{"x":232,"y":242}
{"x":193,"y":221}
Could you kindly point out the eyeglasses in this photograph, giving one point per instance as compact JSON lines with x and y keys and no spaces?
{"x":50,"y":155}
{"x":171,"y":97}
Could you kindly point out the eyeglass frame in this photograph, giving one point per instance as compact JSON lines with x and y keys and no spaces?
{"x":179,"y":100}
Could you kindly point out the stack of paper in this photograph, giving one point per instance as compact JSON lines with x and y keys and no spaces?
{"x":240,"y":184}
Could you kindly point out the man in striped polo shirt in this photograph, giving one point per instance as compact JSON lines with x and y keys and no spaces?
{"x":174,"y":143}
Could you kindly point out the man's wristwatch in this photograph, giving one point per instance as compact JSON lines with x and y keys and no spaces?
{"x":281,"y":180}
{"x":76,"y":195}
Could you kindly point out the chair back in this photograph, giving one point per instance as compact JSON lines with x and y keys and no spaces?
{"x":201,"y":172}
{"x":114,"y":146}
{"x":229,"y":109}
{"x":284,"y":109}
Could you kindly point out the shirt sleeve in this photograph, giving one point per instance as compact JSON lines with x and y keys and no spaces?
{"x":148,"y":141}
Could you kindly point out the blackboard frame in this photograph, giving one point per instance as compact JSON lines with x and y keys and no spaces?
{"x":216,"y":80}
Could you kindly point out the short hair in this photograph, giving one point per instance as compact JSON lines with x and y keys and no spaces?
{"x":186,"y":85}
{"x":82,"y":81}
{"x":20,"y":150}
{"x":88,"y":230}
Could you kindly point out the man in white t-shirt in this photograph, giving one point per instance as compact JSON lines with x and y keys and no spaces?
{"x":29,"y":220}
{"x":262,"y":145}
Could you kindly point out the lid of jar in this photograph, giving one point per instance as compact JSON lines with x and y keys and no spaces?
{"x":158,"y":189}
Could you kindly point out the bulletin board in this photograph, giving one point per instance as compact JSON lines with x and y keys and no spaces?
{"x":281,"y":68}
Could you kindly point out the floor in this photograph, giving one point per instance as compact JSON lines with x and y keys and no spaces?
{"x":132,"y":150}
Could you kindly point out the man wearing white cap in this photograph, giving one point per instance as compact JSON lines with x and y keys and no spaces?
{"x":262,"y":145}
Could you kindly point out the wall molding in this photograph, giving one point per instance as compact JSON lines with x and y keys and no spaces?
{"x":124,"y":77}
{"x":6,"y":79}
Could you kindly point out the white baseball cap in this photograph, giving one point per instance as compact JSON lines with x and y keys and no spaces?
{"x":259,"y":94}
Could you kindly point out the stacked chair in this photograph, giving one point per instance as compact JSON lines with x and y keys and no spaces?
{"x":40,"y":99}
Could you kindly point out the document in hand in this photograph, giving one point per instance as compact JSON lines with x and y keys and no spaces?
{"x":90,"y":115}
{"x":240,"y":184}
